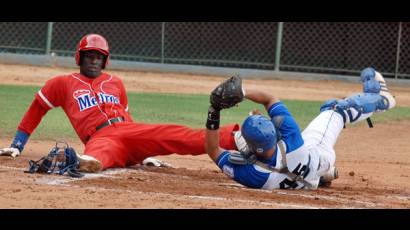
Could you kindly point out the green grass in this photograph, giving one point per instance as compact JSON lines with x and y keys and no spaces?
{"x":186,"y":109}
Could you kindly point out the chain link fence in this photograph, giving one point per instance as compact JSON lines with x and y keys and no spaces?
{"x":23,"y":37}
{"x":137,"y":41}
{"x":403,"y":67}
{"x":228,"y":44}
{"x":339,"y":47}
{"x":317,"y":47}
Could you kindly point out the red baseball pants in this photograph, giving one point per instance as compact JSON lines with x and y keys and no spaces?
{"x":129,"y":143}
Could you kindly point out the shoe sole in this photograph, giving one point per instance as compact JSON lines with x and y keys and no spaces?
{"x":336,"y":174}
{"x":89,"y":164}
{"x":326,"y":182}
{"x":331,"y":176}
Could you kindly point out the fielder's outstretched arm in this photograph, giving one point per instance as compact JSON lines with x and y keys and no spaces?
{"x":261,"y":97}
{"x":212,"y":134}
{"x":212,"y":144}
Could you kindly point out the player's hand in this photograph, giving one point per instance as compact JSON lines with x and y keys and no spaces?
{"x":155,"y":162}
{"x":255,"y":112}
{"x":13,"y":152}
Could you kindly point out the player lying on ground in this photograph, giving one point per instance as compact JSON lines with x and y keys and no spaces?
{"x":96,"y":104}
{"x":273,"y":152}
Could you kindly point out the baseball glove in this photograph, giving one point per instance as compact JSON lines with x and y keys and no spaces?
{"x":227,"y":94}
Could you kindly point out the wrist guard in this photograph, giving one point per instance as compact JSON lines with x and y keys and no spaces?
{"x":213,"y":119}
{"x":20,"y":140}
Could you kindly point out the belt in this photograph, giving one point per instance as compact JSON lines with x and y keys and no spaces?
{"x":109,"y":122}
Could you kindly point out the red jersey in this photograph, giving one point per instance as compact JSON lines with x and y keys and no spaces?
{"x":87,"y":102}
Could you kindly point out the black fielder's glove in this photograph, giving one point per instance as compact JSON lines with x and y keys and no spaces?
{"x":227,"y":94}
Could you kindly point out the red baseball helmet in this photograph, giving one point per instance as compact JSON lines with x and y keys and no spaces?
{"x":93,"y":42}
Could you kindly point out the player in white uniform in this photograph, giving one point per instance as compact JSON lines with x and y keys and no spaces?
{"x":273,"y":153}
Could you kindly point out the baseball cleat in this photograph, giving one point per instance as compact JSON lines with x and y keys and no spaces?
{"x":368,"y":76}
{"x":326,"y":179}
{"x":89,"y":164}
{"x":384,"y":91}
{"x":149,"y":161}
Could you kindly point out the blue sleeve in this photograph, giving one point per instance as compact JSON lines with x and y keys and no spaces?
{"x":278,"y":109}
{"x":244,"y":174}
{"x":286,"y":126}
{"x":222,"y":159}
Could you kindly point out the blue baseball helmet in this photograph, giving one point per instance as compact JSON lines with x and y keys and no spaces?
{"x":259,"y":133}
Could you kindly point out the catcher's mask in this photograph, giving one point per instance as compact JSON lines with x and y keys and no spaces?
{"x":93,"y":42}
{"x":61,"y":159}
{"x":259,"y":133}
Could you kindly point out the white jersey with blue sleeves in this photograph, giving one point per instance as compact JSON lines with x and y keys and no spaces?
{"x":300,"y":158}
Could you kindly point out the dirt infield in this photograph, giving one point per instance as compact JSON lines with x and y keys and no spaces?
{"x":374,"y":164}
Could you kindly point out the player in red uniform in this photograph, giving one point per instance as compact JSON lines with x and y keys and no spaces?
{"x":96,"y":104}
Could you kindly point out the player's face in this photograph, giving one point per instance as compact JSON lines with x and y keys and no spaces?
{"x":91,"y":63}
{"x":268,"y":154}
